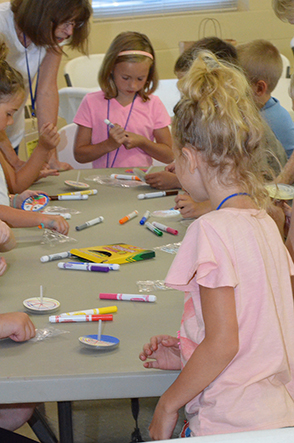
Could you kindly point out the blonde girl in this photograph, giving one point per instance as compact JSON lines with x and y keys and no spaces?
{"x":11,"y":98}
{"x":236,"y":340}
{"x":139,"y":129}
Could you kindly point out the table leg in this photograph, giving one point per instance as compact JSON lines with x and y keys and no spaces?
{"x":65,"y":422}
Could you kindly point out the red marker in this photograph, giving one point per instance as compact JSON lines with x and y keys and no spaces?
{"x":78,"y":318}
{"x":165,"y":228}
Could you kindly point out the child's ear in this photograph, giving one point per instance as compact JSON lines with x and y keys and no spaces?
{"x":191,"y":158}
{"x":260,"y":88}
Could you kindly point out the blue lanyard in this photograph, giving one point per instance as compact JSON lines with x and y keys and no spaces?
{"x":33,"y":96}
{"x":230,"y":196}
{"x":128,"y":118}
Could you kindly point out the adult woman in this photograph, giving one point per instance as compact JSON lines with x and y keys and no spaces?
{"x":34,"y":31}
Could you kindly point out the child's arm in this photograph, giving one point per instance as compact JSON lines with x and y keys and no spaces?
{"x":162,"y":180}
{"x":164,"y":352}
{"x":17,"y":218}
{"x":7,"y":239}
{"x":290,"y":245}
{"x":17,"y":326}
{"x":189,"y":208}
{"x":29,"y":172}
{"x":287,"y":174}
{"x":85,"y":151}
{"x":209,"y":359}
{"x":161,"y":150}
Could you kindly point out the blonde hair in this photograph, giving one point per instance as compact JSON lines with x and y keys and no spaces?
{"x":128,"y":41}
{"x":291,"y":87}
{"x":217,"y":116}
{"x":261,"y":60}
{"x":11,"y":81}
{"x":284,"y":9}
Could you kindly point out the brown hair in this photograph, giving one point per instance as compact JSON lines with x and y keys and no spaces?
{"x":38,"y":19}
{"x":127,"y":41}
{"x":261,"y":60}
{"x":217,"y":116}
{"x":11,"y":81}
{"x":284,"y":9}
{"x":222,"y":49}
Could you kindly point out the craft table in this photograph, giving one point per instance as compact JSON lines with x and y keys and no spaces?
{"x":60,"y":369}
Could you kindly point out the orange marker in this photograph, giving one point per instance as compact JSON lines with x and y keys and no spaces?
{"x":128,"y":217}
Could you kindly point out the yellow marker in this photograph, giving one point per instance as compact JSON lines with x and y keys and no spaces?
{"x":86,"y":192}
{"x":107,"y":310}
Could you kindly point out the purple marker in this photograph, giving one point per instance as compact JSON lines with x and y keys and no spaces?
{"x":83,"y":267}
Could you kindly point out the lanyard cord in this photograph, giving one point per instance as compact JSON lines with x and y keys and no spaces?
{"x":230,"y":196}
{"x":33,"y":96}
{"x":128,"y":118}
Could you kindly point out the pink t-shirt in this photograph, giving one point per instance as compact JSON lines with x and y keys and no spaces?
{"x":240,"y":249}
{"x":144,"y":118}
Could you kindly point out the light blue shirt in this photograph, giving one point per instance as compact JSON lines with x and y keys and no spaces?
{"x":281,"y":123}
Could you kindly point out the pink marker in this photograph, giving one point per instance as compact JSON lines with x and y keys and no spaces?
{"x":128,"y":297}
{"x":165,"y":228}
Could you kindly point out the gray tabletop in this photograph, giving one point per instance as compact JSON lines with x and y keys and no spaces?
{"x":60,"y":368}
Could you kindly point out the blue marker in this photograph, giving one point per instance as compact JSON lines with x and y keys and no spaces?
{"x":145,"y":217}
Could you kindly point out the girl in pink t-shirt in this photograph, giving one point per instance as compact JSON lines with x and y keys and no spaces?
{"x":138,"y":122}
{"x":235,"y":347}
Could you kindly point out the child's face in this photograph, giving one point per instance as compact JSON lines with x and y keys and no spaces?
{"x":130,"y":78}
{"x":8,"y":109}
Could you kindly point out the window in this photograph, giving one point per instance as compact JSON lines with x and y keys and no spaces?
{"x":131,"y":8}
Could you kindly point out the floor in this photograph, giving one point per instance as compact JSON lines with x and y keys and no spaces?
{"x":105,"y":421}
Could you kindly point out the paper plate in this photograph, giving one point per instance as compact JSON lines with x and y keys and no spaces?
{"x":34,"y":304}
{"x":35,"y":203}
{"x":76,"y":185}
{"x":106,"y":343}
{"x":280,"y":191}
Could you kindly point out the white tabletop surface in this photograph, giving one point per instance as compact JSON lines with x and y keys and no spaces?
{"x":60,"y":368}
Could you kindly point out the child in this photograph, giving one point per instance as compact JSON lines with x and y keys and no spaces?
{"x":11,"y":98}
{"x":262,"y":64}
{"x":284,"y":9}
{"x":127,"y":78}
{"x":236,"y":347}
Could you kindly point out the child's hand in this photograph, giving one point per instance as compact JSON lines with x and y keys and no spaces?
{"x":4,"y":232}
{"x":162,"y":180}
{"x":20,"y":198}
{"x":17,"y":326}
{"x":163,"y":422}
{"x":49,"y":137}
{"x":164,"y":352}
{"x":189,"y":208}
{"x":56,"y":223}
{"x":3,"y":265}
{"x":171,"y":167}
{"x":117,"y":136}
{"x":134,"y":141}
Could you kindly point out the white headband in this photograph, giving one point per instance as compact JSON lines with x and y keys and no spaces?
{"x":135,"y":52}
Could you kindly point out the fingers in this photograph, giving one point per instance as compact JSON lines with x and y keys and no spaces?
{"x":3,"y":265}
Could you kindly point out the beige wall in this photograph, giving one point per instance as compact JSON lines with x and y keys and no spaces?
{"x":256,"y":19}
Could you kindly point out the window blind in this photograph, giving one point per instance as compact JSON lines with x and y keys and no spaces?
{"x":130,"y":8}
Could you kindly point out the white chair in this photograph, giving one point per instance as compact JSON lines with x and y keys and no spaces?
{"x":65,"y":147}
{"x":168,"y":93}
{"x":83,"y":71}
{"x":69,"y":101}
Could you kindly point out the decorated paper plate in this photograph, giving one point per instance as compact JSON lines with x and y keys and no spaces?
{"x":76,"y":184}
{"x":35,"y":203}
{"x":34,"y":304}
{"x":280,"y":191}
{"x":106,"y":342}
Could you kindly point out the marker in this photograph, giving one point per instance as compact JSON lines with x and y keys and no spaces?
{"x":153,"y":229}
{"x":125,"y":177}
{"x":65,"y":215}
{"x":128,"y":217}
{"x":145,"y":217}
{"x":89,"y":223}
{"x":83,"y":267}
{"x":69,"y":197}
{"x":128,"y":297}
{"x":78,"y":318}
{"x":95,"y":311}
{"x":157,"y":194}
{"x":58,"y":256}
{"x":165,"y":228}
{"x":108,"y":122}
{"x":85,"y":192}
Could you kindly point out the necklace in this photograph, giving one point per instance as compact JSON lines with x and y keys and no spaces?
{"x":128,"y":118}
{"x":230,"y":196}
{"x":33,"y":95}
